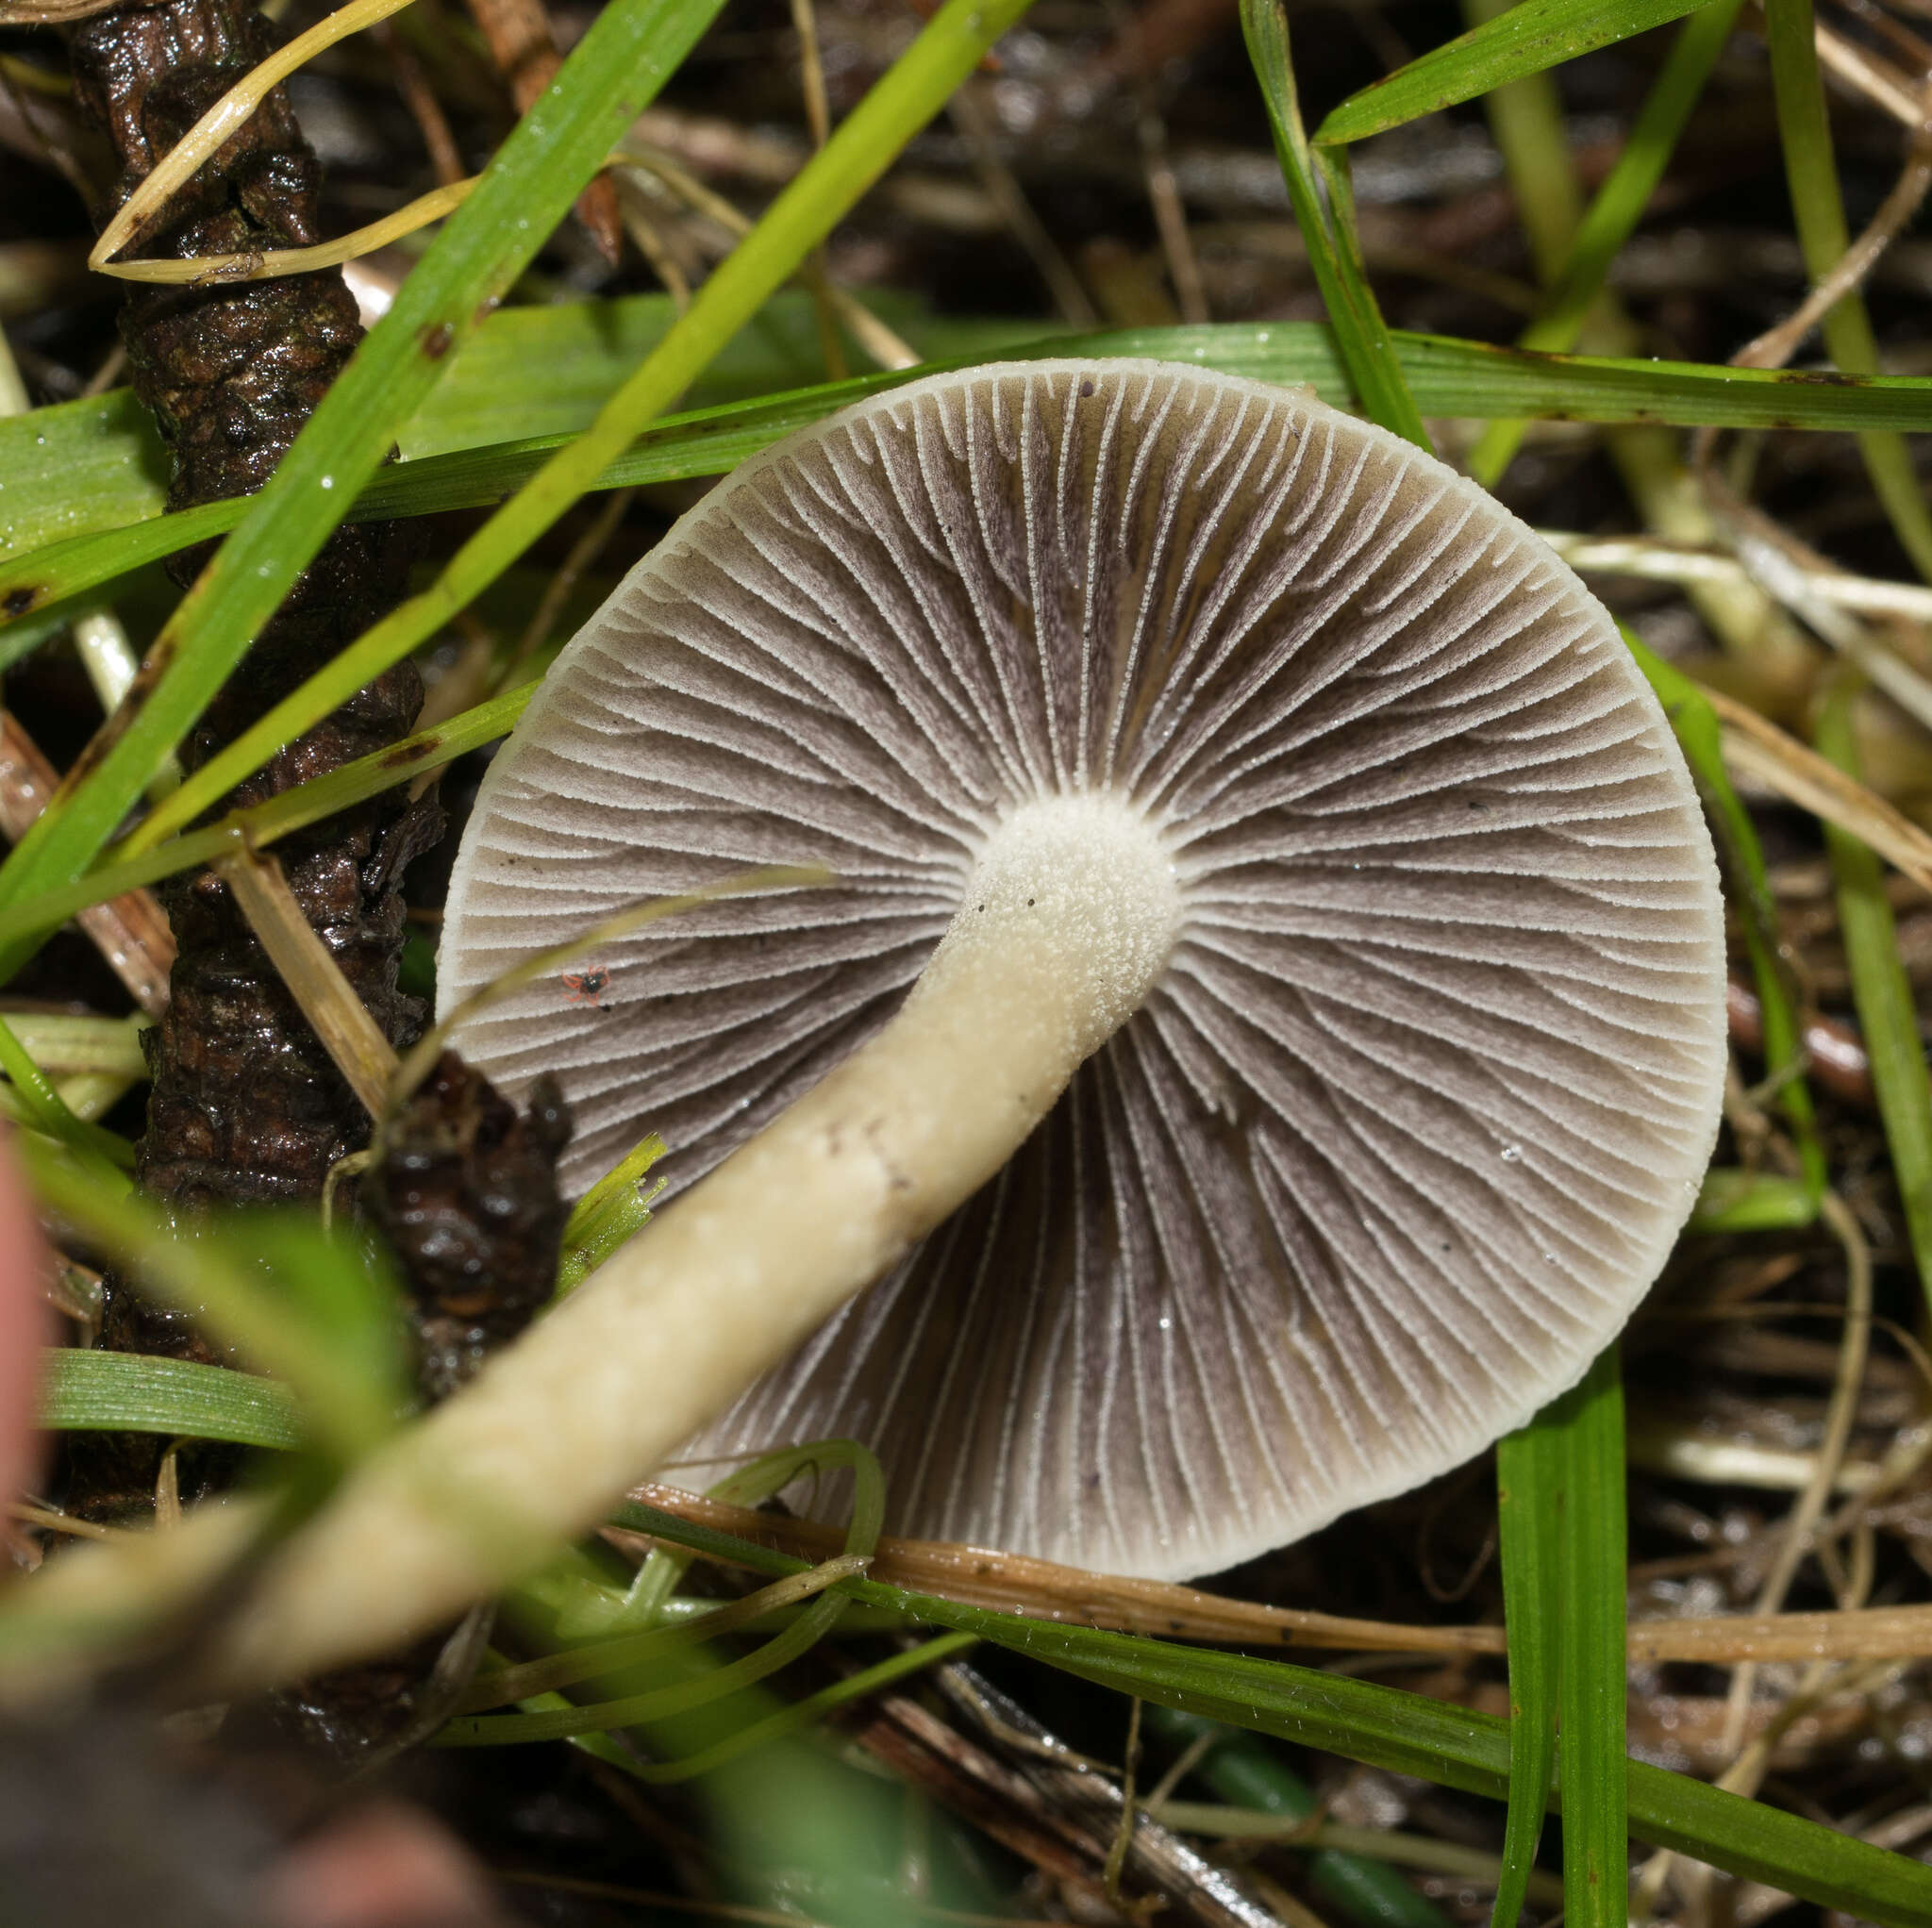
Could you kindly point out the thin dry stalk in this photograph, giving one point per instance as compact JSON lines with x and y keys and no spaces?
{"x":1016,"y":1582}
{"x":200,"y":270}
{"x":996,"y":177}
{"x":1878,"y":81}
{"x":412,"y":84}
{"x":1652,"y":559}
{"x":518,"y":34}
{"x":818,"y":118}
{"x":883,"y":346}
{"x":50,"y":12}
{"x":1840,"y":1414}
{"x":1786,"y":570}
{"x":1756,"y":747}
{"x":222,"y":120}
{"x":130,"y":932}
{"x":1776,"y":346}
{"x":652,"y":243}
{"x":1163,"y":189}
{"x":557,"y":592}
{"x":351,"y":1037}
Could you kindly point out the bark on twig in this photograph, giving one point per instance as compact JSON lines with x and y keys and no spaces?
{"x":246,"y":1105}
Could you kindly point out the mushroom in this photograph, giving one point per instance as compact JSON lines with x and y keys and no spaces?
{"x":1185,"y":731}
{"x":1265,"y":1033}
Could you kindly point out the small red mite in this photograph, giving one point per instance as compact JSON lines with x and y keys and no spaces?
{"x":582,"y":987}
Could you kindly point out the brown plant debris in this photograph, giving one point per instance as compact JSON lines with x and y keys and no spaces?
{"x":519,"y":37}
{"x":466,"y":1191}
{"x":129,"y":931}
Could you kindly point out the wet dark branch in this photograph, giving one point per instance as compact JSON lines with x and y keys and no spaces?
{"x":246,"y":1105}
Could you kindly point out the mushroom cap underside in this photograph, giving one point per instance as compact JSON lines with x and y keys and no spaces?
{"x":1409,"y":1123}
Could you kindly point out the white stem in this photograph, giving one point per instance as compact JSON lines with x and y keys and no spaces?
{"x":1066,"y":920}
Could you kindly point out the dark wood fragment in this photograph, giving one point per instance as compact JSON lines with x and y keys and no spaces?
{"x":246,"y":1106}
{"x":466,"y":1191}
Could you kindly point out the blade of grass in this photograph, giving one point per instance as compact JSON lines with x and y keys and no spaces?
{"x":614,"y":71}
{"x":904,"y":98}
{"x":131,"y":1393}
{"x":1526,"y":117}
{"x":1888,"y":1015}
{"x":1700,"y":736}
{"x":1731,"y":1200}
{"x":614,"y":1209}
{"x":662,"y":1699}
{"x":1457,"y":1747}
{"x":1537,"y":35}
{"x":43,"y":1109}
{"x":1819,"y":210}
{"x":1445,"y":377}
{"x":96,"y":463}
{"x":73,"y":467}
{"x":665,"y":1634}
{"x":1323,"y":211}
{"x":1614,"y":214}
{"x":1587,"y":1429}
{"x":794,"y":1819}
{"x":310,"y":1307}
{"x":1529,"y":1473}
{"x":1405,"y":1733}
{"x":36,"y":917}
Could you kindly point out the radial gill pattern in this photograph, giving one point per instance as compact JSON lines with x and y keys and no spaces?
{"x":1411,"y":1121}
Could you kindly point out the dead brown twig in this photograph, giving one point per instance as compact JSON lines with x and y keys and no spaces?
{"x":130,"y":932}
{"x":1016,"y":1582}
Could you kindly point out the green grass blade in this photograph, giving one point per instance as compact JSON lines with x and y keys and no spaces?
{"x":1529,"y":1473}
{"x":550,"y":1716}
{"x":310,"y":1307}
{"x":796,"y":1716}
{"x":907,"y":97}
{"x":1525,"y":118}
{"x":131,"y":1393}
{"x":1888,"y":1015}
{"x":1532,"y":37}
{"x":1324,"y":210}
{"x":87,"y":466}
{"x":1244,"y":1773}
{"x":1444,"y":378}
{"x":1409,"y":1734}
{"x":611,"y":1213}
{"x":1587,"y":1429}
{"x":480,"y":434}
{"x":1616,"y":210}
{"x":35,"y":917}
{"x":43,"y":1109}
{"x":1560,"y":1485}
{"x":613,"y":71}
{"x":1819,"y":209}
{"x":1620,"y":203}
{"x":1747,"y":887}
{"x":1733,"y":1199}
{"x":793,"y":1820}
{"x":78,"y":466}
